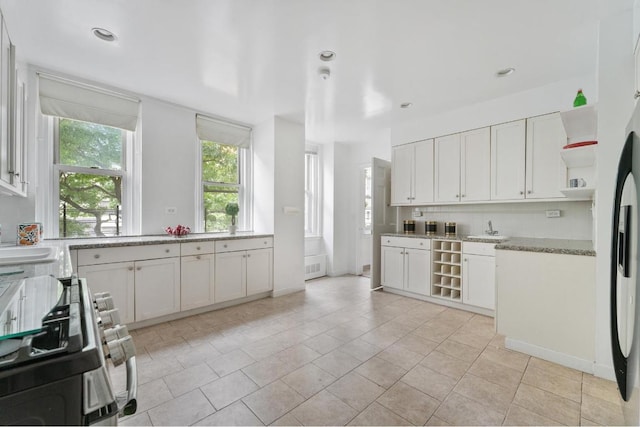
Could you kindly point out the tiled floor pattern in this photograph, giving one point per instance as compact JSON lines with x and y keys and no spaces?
{"x":340,"y":354}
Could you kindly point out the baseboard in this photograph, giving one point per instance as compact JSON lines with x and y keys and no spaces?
{"x":440,"y":301}
{"x":604,"y":371}
{"x":281,"y":292}
{"x":338,"y":273}
{"x":563,"y":359}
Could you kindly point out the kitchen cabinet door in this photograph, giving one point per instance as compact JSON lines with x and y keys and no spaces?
{"x":157,"y":287}
{"x":475,"y":165}
{"x":230,"y":276}
{"x":508,"y":160}
{"x":119,"y":280}
{"x":392,"y":268}
{"x":5,"y":98}
{"x":418,"y":271}
{"x":402,"y":174}
{"x":423,"y":173}
{"x":479,"y":281}
{"x":259,"y":275}
{"x":197,"y":281}
{"x":447,"y":168}
{"x":546,"y":172}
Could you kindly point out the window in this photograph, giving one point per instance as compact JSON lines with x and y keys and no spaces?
{"x":221,"y":184}
{"x":367,"y":201}
{"x":311,"y":194}
{"x":89,"y":167}
{"x":225,"y":173}
{"x":87,"y":175}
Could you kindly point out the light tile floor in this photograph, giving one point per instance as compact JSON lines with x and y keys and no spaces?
{"x":340,"y":354}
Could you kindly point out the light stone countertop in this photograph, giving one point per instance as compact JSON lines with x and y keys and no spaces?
{"x":526,"y":244}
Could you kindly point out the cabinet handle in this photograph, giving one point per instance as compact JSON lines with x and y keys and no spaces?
{"x":265,"y":243}
{"x":464,"y":195}
{"x":636,"y":95}
{"x":96,"y":256}
{"x":529,"y":192}
{"x":457,"y":195}
{"x":198,"y":257}
{"x":388,"y":241}
{"x":248,"y":255}
{"x":225,"y":246}
{"x":139,"y":268}
{"x":465,"y":260}
{"x":166,"y":250}
{"x":421,"y":243}
{"x":522,"y":192}
{"x":130,"y":269}
{"x":197,"y":248}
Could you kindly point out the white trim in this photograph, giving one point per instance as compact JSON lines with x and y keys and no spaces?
{"x":281,"y":292}
{"x":563,"y":359}
{"x":604,"y":371}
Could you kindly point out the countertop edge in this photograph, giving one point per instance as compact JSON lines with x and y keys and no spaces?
{"x":154,"y":240}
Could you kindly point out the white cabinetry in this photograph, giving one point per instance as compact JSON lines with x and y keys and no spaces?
{"x":406,"y":264}
{"x":508,"y":147}
{"x":445,"y":281}
{"x":116,"y":278}
{"x":143,"y":280}
{"x":479,"y":274}
{"x":243,"y":267}
{"x":447,"y":168}
{"x":196,"y":275}
{"x":475,"y":165}
{"x":546,"y":173}
{"x":412,"y":173}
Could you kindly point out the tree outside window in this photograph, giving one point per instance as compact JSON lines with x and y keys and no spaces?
{"x":221,"y":167}
{"x":90,"y":163}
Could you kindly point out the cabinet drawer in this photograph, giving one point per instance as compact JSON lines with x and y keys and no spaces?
{"x":477,"y":248}
{"x":197,"y":248}
{"x":406,"y":242}
{"x":127,"y":253}
{"x":243,"y":244}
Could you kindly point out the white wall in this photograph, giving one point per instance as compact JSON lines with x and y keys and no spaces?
{"x":288,"y":246}
{"x":263,"y":183}
{"x":615,"y":105}
{"x":169,"y":148}
{"x":511,"y":219}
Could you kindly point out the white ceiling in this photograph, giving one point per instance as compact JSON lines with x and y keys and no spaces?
{"x":248,"y":60}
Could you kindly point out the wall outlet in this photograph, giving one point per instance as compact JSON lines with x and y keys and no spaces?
{"x":553,"y":214}
{"x":417,"y":213}
{"x":171,"y":210}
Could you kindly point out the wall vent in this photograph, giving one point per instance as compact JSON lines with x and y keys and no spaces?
{"x":315,"y":266}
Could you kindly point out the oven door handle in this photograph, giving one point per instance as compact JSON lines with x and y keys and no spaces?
{"x":127,"y":400}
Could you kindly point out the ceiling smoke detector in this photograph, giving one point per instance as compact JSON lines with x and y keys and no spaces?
{"x":324,"y":73}
{"x":505,"y":72}
{"x":327,"y":55}
{"x":103,"y":34}
{"x":406,"y":105}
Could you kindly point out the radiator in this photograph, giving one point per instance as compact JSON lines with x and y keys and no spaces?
{"x":315,"y":266}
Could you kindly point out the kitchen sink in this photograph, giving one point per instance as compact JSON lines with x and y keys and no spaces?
{"x":496,"y":237}
{"x":27,"y":255}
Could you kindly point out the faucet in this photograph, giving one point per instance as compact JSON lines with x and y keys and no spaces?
{"x":491,"y":231}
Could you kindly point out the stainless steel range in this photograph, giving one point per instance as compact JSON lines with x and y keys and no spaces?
{"x":55,"y":339}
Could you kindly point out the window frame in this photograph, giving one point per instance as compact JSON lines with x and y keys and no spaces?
{"x":128,"y":140}
{"x":312,"y":190}
{"x":244,"y":220}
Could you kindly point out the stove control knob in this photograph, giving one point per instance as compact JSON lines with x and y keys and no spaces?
{"x":121,"y":350}
{"x":109,"y":318}
{"x":115,"y":333}
{"x":101,"y":295}
{"x":105,"y":303}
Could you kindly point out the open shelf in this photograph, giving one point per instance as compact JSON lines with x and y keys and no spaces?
{"x":579,"y":157}
{"x":581,"y":123}
{"x":446,"y":268}
{"x":579,"y":193}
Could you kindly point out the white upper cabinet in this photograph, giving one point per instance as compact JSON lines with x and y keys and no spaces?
{"x":508,"y":143}
{"x":412,"y":173}
{"x":447,"y":168}
{"x":546,"y":172}
{"x":475,"y":165}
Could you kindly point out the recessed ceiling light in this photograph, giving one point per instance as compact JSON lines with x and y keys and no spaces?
{"x":103,"y":34}
{"x":406,"y":105}
{"x":327,"y":55}
{"x":505,"y":72}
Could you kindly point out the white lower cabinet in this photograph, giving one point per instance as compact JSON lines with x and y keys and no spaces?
{"x":406,"y":264}
{"x":116,"y":278}
{"x":157,"y":287}
{"x":479,"y":274}
{"x":243,"y":267}
{"x":196,"y":281}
